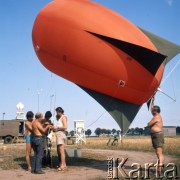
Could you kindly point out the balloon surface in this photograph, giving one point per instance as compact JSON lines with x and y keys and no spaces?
{"x":117,"y":63}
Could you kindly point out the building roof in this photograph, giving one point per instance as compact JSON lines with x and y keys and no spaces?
{"x":169,"y":126}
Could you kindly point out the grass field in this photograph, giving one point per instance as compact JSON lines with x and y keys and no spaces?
{"x":13,"y":157}
{"x":136,"y":143}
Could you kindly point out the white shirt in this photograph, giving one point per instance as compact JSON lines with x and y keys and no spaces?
{"x":59,"y":122}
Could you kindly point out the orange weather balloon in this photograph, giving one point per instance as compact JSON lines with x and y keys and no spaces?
{"x":116,"y":62}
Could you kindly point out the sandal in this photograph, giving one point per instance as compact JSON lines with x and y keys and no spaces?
{"x":62,"y":168}
{"x":160,"y":168}
{"x":58,"y":166}
{"x":29,"y":169}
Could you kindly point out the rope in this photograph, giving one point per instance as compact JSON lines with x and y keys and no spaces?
{"x":96,"y":120}
{"x":173,"y":88}
{"x":48,"y":92}
{"x":104,"y":110}
{"x":170,"y":72}
{"x":168,"y":75}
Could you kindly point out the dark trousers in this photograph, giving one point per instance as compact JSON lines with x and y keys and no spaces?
{"x":38,"y":145}
{"x":44,"y":160}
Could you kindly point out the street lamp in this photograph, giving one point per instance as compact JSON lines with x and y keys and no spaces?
{"x":38,"y":92}
{"x":51,"y":101}
{"x":3,"y":115}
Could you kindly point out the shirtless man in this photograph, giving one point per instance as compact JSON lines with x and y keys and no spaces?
{"x":38,"y":131}
{"x":28,"y":126}
{"x":157,"y":136}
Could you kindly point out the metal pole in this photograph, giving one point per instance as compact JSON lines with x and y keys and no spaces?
{"x":3,"y":115}
{"x":53,"y":110}
{"x":38,"y":92}
{"x":54,"y":102}
{"x":51,"y":101}
{"x":38,"y":101}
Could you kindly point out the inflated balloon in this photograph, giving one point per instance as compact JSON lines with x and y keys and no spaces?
{"x":117,"y":63}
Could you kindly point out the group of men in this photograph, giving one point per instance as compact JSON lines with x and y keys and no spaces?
{"x":36,"y":138}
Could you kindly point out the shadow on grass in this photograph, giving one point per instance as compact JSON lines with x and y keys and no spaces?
{"x":76,"y":162}
{"x":21,"y":162}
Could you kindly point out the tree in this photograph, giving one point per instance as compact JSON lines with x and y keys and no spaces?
{"x":132,"y":131}
{"x":108,"y":131}
{"x":141,"y":131}
{"x":103,"y":131}
{"x":113,"y":131}
{"x":129,"y":131}
{"x":146,"y":131}
{"x":118,"y":132}
{"x":66,"y":132}
{"x":98,"y":131}
{"x":88,"y":132}
{"x":71,"y":133}
{"x":178,"y":130}
{"x":137,"y":130}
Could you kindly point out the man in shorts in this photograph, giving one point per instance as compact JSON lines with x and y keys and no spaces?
{"x":157,"y":136}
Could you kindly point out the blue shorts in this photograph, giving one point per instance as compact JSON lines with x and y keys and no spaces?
{"x":29,"y":138}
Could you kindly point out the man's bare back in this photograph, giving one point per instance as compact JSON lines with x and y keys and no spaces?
{"x":37,"y":127}
{"x":36,"y":130}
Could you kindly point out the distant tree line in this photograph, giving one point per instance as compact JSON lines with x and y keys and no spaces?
{"x":136,"y":131}
{"x":88,"y":132}
{"x":132,"y":131}
{"x":100,"y":131}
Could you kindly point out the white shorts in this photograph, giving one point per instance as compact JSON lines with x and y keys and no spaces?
{"x":60,"y":137}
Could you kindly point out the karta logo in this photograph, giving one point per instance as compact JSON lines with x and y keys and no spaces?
{"x":116,"y":170}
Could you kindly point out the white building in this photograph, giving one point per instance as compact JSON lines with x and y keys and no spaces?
{"x":169,"y":130}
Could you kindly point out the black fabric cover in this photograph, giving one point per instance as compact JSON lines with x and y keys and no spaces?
{"x":123,"y":112}
{"x":164,"y":46}
{"x":149,"y":59}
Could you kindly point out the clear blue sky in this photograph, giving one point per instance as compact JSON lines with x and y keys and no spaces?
{"x":21,"y":73}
